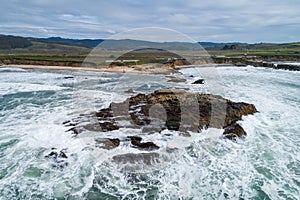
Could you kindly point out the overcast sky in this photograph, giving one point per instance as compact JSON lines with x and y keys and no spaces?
{"x":202,"y":20}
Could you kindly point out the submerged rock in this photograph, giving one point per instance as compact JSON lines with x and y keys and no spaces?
{"x":107,"y":143}
{"x":199,"y":81}
{"x":58,"y":159}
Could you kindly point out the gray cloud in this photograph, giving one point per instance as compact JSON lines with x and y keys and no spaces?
{"x":205,"y":20}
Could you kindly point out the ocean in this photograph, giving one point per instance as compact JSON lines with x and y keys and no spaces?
{"x":35,"y":103}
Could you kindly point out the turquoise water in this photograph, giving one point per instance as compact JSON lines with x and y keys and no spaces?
{"x":33,"y":105}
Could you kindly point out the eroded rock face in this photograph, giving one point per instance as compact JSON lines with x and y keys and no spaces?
{"x":234,"y":131}
{"x":176,"y":110}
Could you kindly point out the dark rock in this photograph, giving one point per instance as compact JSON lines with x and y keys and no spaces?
{"x":177,"y":80}
{"x":62,"y":155}
{"x":58,"y":159}
{"x":234,"y":131}
{"x":129,"y":91}
{"x":199,"y":81}
{"x":66,"y":122}
{"x":136,"y":141}
{"x":191,"y":76}
{"x":68,"y":77}
{"x":182,"y":111}
{"x":107,"y":143}
{"x":56,"y":154}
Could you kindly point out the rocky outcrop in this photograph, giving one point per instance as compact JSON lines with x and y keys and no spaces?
{"x":177,"y":62}
{"x":234,"y":131}
{"x":136,"y":142}
{"x":172,"y":109}
{"x":199,"y":81}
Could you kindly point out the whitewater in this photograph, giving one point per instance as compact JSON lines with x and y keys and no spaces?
{"x":35,"y":103}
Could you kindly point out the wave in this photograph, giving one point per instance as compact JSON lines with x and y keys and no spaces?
{"x":7,"y":69}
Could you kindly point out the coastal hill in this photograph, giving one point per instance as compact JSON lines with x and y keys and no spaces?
{"x":72,"y":52}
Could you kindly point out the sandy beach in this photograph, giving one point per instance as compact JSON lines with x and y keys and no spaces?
{"x":144,"y":69}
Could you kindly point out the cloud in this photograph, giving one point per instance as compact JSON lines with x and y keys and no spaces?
{"x":219,"y":20}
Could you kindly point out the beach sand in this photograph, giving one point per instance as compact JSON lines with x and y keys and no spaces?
{"x":144,"y":69}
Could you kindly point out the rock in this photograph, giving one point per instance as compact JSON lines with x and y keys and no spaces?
{"x":233,"y":131}
{"x":68,"y":77}
{"x":129,"y":91}
{"x":58,"y":159}
{"x":177,"y":80}
{"x":107,"y":143}
{"x":172,"y":109}
{"x":136,"y":141}
{"x":177,"y":62}
{"x":144,"y":159}
{"x":170,"y":91}
{"x":56,"y":155}
{"x":199,"y":81}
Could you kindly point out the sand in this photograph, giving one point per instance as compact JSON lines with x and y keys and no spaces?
{"x":145,"y":69}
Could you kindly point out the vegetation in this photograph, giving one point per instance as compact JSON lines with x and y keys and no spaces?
{"x":13,"y":42}
{"x":21,"y":50}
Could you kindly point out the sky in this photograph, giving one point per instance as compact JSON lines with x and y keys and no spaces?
{"x":249,"y":21}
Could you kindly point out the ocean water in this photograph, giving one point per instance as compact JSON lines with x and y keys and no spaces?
{"x":35,"y":103}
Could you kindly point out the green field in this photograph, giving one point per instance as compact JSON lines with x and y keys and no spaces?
{"x":22,"y":50}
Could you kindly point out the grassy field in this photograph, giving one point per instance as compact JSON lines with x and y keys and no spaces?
{"x":43,"y":50}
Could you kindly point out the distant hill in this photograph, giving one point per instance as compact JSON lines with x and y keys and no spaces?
{"x":52,"y":43}
{"x":214,"y":44}
{"x":13,"y":42}
{"x":78,"y":48}
{"x":82,"y":42}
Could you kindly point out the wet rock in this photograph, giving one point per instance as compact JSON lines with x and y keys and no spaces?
{"x":129,"y":91}
{"x":233,"y":131}
{"x":107,"y":143}
{"x":199,"y":81}
{"x":68,"y":77}
{"x":66,"y":122}
{"x":58,"y":159}
{"x":56,"y":155}
{"x":177,"y":80}
{"x":172,"y":109}
{"x":133,"y":158}
{"x":136,"y":141}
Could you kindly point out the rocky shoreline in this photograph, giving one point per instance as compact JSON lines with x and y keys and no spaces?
{"x":268,"y":62}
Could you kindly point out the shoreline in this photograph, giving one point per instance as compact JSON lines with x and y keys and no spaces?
{"x":138,"y":69}
{"x":152,"y":68}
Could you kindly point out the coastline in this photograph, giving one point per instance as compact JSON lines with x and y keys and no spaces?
{"x":140,"y":69}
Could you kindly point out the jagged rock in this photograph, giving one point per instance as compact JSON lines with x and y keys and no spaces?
{"x":58,"y":158}
{"x":136,"y":141}
{"x":178,"y":110}
{"x":199,"y":81}
{"x":107,"y":143}
{"x":233,"y":131}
